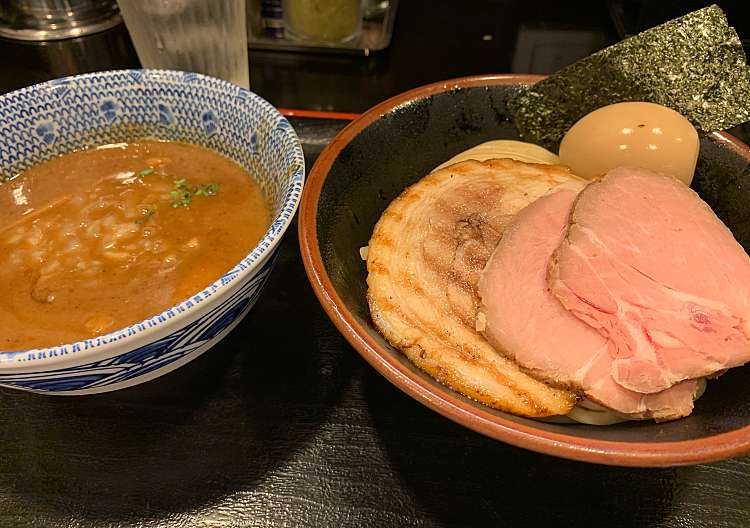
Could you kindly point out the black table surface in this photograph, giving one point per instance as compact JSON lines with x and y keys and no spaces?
{"x":282,"y":423}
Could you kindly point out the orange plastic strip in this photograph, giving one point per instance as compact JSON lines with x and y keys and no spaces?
{"x":292,"y":112}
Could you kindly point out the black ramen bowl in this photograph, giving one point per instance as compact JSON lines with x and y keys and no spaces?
{"x":396,"y":143}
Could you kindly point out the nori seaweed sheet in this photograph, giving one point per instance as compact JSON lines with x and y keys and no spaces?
{"x":694,"y":64}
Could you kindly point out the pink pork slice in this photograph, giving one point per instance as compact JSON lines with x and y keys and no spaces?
{"x":524,"y":321}
{"x":648,"y":264}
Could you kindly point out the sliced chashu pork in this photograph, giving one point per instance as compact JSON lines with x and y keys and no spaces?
{"x":524,"y":320}
{"x":649,"y":265}
{"x":424,"y":260}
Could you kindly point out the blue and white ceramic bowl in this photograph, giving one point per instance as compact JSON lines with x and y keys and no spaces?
{"x":49,"y":119}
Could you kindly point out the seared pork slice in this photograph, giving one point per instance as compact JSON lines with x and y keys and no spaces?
{"x":527,"y":322}
{"x":648,"y":264}
{"x":424,"y":260}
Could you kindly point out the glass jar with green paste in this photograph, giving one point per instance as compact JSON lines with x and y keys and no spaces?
{"x":327,"y":21}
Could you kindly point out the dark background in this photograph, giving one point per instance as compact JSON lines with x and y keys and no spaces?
{"x":282,"y":424}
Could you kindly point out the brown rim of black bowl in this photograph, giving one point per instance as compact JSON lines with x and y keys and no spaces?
{"x":717,"y":447}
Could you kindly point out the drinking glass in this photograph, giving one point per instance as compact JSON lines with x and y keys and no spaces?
{"x":191,"y":35}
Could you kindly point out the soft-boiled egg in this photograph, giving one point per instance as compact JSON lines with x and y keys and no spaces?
{"x":633,"y":134}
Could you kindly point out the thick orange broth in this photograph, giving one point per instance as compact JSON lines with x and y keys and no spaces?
{"x":99,"y":239}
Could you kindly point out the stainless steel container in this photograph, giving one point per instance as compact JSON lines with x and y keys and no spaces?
{"x":56,"y":19}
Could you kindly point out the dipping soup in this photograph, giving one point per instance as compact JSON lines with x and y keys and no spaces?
{"x":99,"y":239}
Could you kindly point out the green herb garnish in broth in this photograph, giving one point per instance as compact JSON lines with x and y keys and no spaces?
{"x":147,"y":212}
{"x":208,"y":189}
{"x":181,"y":195}
{"x":183,"y":192}
{"x":145,"y":172}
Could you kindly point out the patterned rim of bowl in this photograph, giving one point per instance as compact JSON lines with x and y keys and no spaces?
{"x":51,"y":357}
{"x":445,"y":401}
